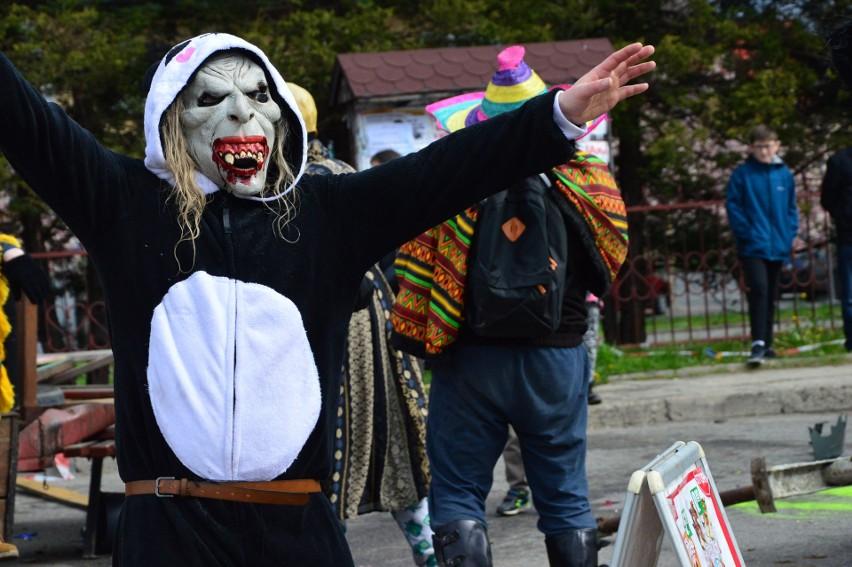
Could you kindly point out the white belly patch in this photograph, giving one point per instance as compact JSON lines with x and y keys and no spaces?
{"x":232,"y":378}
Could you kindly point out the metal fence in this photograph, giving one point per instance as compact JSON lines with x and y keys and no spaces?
{"x":685,"y":287}
{"x":73,"y":319}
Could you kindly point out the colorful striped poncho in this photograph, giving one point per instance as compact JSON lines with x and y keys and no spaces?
{"x":432,"y":268}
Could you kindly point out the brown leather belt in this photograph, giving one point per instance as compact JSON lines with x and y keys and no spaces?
{"x":285,"y":492}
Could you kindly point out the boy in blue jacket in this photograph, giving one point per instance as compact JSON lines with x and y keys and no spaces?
{"x":761,"y":204}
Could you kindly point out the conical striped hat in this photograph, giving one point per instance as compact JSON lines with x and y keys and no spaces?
{"x":512,"y":85}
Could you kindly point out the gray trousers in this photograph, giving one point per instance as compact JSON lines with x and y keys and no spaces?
{"x":515,"y":475}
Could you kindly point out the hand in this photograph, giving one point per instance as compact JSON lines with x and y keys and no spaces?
{"x":24,"y":274}
{"x":598,"y":91}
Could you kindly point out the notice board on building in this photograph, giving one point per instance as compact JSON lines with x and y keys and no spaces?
{"x":686,"y":506}
{"x":402,"y":130}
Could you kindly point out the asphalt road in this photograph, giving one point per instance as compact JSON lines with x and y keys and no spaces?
{"x":812,"y":530}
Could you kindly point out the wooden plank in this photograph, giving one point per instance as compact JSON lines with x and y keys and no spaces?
{"x":54,"y":493}
{"x":71,"y":373}
{"x":4,"y":475}
{"x":91,"y":449}
{"x":80,"y":449}
{"x":108,"y":433}
{"x":72,"y":403}
{"x":27,"y":352}
{"x":6,"y":443}
{"x":50,"y":358}
{"x":88,"y":392}
{"x":45,"y":371}
{"x":76,"y":355}
{"x":102,"y":449}
{"x":8,"y":516}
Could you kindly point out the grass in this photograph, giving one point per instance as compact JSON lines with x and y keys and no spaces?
{"x":800,"y":343}
{"x":739,"y":316}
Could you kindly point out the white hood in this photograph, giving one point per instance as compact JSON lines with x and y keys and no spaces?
{"x":177,"y":69}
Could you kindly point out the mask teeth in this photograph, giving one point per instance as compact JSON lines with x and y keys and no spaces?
{"x":230,"y":158}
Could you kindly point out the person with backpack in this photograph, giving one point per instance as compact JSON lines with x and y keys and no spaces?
{"x":496,"y":298}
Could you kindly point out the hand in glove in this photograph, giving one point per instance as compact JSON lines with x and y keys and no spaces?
{"x":24,"y":274}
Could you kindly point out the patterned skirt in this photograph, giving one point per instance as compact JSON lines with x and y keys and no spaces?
{"x":380,"y":461}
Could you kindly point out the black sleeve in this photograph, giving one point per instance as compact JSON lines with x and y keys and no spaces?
{"x":59,"y":159}
{"x":382,"y":207}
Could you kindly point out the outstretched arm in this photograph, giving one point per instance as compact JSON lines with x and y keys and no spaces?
{"x":382,"y":207}
{"x":61,"y":161}
{"x":598,"y":91}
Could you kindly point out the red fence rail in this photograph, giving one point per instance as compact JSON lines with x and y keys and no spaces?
{"x":687,"y":287}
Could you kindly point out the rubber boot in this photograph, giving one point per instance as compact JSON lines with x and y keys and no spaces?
{"x":578,"y":548}
{"x":462,"y":543}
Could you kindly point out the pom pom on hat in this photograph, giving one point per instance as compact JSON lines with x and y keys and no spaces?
{"x":510,"y":58}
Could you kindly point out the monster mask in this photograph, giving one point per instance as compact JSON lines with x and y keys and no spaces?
{"x":229,"y":120}
{"x":232,"y":99}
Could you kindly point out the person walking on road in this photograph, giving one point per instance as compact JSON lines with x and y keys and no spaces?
{"x":761,"y":203}
{"x":538,"y":384}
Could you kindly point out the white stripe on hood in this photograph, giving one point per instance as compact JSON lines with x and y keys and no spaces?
{"x":174,"y":73}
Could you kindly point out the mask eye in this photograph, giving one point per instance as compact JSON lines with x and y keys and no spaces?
{"x":207,"y":99}
{"x":261,"y":94}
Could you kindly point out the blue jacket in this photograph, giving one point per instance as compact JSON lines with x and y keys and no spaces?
{"x":761,"y":204}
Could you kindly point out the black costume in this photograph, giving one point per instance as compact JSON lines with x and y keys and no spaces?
{"x":229,"y":372}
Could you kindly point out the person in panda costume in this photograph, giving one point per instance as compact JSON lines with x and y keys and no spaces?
{"x":230,"y":279}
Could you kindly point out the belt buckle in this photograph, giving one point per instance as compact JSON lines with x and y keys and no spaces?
{"x":157,"y":487}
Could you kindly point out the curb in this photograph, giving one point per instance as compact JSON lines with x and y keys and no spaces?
{"x":769,"y":391}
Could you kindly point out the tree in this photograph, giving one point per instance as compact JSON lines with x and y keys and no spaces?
{"x":723,"y":66}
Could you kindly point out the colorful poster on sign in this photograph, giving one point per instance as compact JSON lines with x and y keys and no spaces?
{"x":705,"y":535}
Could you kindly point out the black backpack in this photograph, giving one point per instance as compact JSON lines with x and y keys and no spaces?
{"x":516,"y":276}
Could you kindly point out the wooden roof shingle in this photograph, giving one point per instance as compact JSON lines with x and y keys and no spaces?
{"x":389,"y":75}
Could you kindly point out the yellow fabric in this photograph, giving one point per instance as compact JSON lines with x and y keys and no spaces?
{"x":307,"y":106}
{"x":7,"y":392}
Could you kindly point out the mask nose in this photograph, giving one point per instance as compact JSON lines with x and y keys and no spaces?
{"x":240,"y":110}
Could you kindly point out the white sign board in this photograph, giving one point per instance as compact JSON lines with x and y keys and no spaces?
{"x":402,"y":130}
{"x":688,"y":507}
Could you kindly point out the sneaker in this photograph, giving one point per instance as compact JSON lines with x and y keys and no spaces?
{"x":515,"y":502}
{"x":7,"y":550}
{"x":770,"y":353}
{"x":758,"y":355}
{"x":593,"y":398}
